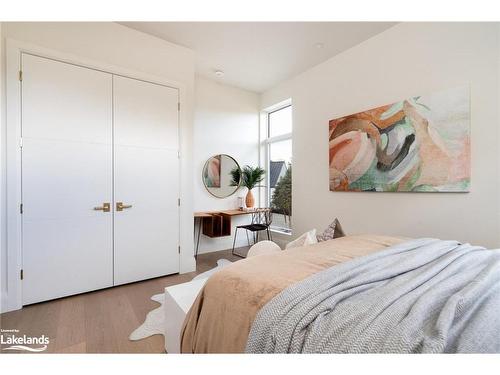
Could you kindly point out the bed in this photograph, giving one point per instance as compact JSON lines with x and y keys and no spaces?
{"x":221,"y":317}
{"x":355,"y":294}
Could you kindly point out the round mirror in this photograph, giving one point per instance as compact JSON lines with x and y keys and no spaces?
{"x":221,"y":175}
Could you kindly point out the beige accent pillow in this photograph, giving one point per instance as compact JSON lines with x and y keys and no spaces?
{"x":307,"y":238}
{"x":262,"y":248}
{"x":334,"y":230}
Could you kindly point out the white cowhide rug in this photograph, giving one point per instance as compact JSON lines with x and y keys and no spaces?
{"x":153,"y":325}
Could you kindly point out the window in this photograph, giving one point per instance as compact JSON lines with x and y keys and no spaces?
{"x":280,"y":122}
{"x":278,"y":144}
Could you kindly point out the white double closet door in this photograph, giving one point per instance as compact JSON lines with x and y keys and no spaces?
{"x":92,"y":140}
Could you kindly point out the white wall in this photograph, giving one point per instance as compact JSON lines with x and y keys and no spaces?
{"x":226,"y":121}
{"x":408,"y":59}
{"x":117,"y":45}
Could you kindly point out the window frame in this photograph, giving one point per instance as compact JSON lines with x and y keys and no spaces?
{"x":266,"y":144}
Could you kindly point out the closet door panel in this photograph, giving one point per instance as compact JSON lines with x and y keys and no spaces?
{"x":65,"y":179}
{"x":146,"y":235}
{"x":65,"y":102}
{"x":146,"y":114}
{"x":66,"y":172}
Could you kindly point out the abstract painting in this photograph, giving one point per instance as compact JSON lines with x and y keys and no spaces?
{"x":420,"y":144}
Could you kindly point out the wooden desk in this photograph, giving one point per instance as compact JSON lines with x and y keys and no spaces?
{"x":227,"y":212}
{"x":201,"y":214}
{"x":217,"y":223}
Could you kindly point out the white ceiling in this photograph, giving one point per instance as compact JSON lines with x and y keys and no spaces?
{"x":258,"y":55}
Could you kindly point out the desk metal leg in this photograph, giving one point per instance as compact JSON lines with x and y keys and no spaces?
{"x":200,"y":224}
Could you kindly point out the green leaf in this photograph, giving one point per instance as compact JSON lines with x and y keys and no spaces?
{"x":252,"y":176}
{"x":235,"y":176}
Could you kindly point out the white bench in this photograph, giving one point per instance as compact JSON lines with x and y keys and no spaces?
{"x":178,"y":300}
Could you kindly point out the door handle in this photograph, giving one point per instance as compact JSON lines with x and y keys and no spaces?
{"x":106,"y":207}
{"x":120,"y":206}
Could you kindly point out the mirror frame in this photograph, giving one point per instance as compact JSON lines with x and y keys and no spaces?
{"x":203,"y":179}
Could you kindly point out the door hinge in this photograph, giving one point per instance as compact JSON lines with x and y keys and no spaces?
{"x":178,"y":201}
{"x":179,"y":248}
{"x":21,"y":142}
{"x":20,"y":75}
{"x":179,"y":106}
{"x":21,"y":208}
{"x":22,"y":274}
{"x":178,"y":154}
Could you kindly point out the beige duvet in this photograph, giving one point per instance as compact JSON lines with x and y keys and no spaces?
{"x":220,"y":319}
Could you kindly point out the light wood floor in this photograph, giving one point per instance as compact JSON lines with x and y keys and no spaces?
{"x":101,"y":321}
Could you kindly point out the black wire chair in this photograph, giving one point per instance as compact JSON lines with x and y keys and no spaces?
{"x":261,"y":221}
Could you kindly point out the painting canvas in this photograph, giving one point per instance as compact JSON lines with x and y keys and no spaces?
{"x":420,"y":144}
{"x":212,"y":172}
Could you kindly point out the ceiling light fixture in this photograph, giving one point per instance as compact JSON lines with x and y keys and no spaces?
{"x":219,"y":73}
{"x":319,"y":45}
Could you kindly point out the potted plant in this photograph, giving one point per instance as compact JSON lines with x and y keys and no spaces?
{"x":249,"y":177}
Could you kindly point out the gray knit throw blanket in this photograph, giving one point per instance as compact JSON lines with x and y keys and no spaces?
{"x":420,"y":296}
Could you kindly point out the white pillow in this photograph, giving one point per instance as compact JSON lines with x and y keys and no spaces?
{"x":307,"y":238}
{"x":262,"y":248}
